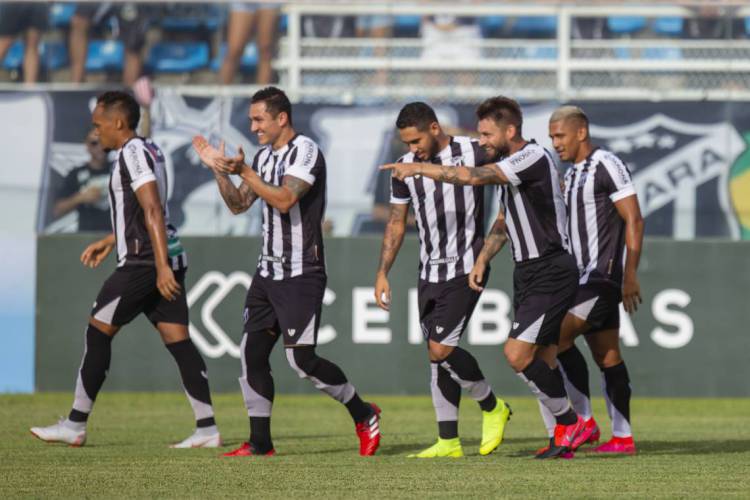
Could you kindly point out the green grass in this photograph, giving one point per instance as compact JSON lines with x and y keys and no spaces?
{"x":687,"y":448}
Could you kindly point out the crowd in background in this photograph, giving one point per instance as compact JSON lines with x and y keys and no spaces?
{"x":39,"y":40}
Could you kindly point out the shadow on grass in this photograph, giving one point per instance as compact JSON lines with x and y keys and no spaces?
{"x":656,"y":448}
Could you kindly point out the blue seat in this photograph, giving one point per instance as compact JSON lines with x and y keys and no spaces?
{"x":105,"y":55}
{"x":540,"y":52}
{"x":407,"y":25}
{"x":669,"y":26}
{"x":248,"y":61}
{"x":662,"y":53}
{"x":747,"y":26}
{"x":178,"y":57}
{"x":491,"y":25}
{"x":14,"y":57}
{"x":54,"y":55}
{"x":60,"y":14}
{"x":535,"y":26}
{"x":283,"y":23}
{"x":626,"y":25}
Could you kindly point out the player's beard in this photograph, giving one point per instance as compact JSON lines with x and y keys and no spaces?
{"x":496,"y":153}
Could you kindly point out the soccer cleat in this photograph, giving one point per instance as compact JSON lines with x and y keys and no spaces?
{"x":589,"y":434}
{"x":368,"y":432}
{"x":197,"y":440}
{"x":493,"y":427}
{"x":443,"y":448}
{"x":248,"y":450}
{"x":617,"y":445}
{"x":551,"y":451}
{"x":561,"y":445}
{"x":60,"y":433}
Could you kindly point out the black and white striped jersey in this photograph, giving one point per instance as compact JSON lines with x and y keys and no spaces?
{"x":596,"y":230}
{"x":450,"y":218}
{"x":293,"y":242}
{"x":139,"y":162}
{"x":533,"y":204}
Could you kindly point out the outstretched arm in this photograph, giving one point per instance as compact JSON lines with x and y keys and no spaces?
{"x":469,"y":176}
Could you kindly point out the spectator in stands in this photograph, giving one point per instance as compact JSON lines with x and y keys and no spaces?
{"x":376,"y":27}
{"x":84,"y":190}
{"x":450,"y":37}
{"x":328,"y":26}
{"x":715,"y":22}
{"x":244,"y":19}
{"x":131,"y":22}
{"x":30,"y":20}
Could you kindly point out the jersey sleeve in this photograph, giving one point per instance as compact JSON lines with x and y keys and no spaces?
{"x":400,"y":194}
{"x":138,"y":164}
{"x":69,"y":185}
{"x":525,"y":165}
{"x":304,"y":162}
{"x":617,"y":182}
{"x":480,"y":155}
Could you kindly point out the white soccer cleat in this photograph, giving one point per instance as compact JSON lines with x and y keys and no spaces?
{"x":199,"y":440}
{"x":60,"y":433}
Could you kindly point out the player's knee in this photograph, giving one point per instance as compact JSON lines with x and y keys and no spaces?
{"x":303,"y":360}
{"x":607,"y":359}
{"x":517,"y":358}
{"x":438,"y":352}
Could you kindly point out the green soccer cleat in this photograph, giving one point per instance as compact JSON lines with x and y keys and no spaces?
{"x":493,"y":427}
{"x":443,"y":448}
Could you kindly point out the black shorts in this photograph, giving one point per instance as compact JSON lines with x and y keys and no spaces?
{"x":131,"y":290}
{"x":291,"y":306}
{"x":17,"y":17}
{"x":133,"y":20}
{"x":598,"y":304}
{"x":543,"y":292}
{"x":445,"y":309}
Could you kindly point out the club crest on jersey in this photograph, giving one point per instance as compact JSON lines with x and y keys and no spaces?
{"x":457,"y":161}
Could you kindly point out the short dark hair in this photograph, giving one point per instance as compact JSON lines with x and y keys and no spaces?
{"x":276,"y":101}
{"x":502,"y":110}
{"x":125,"y":103}
{"x":416,"y":114}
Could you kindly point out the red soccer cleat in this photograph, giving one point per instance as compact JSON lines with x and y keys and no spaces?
{"x":618,"y":445}
{"x":247,"y":450}
{"x":589,"y":434}
{"x":368,"y":432}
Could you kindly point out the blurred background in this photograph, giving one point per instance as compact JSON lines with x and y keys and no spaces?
{"x":666,"y":85}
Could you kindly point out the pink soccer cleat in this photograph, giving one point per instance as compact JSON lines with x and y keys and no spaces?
{"x":589,"y":434}
{"x":618,"y":445}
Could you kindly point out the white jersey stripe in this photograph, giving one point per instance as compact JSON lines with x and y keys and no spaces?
{"x":296,"y":219}
{"x":449,"y":200}
{"x":589,"y":204}
{"x":528,"y":234}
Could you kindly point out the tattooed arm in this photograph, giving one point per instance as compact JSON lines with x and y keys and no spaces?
{"x":493,"y":243}
{"x":238,"y":199}
{"x":469,"y":176}
{"x":392,"y":239}
{"x":281,"y":197}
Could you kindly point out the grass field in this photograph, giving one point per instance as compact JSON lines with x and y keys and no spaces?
{"x":687,"y":448}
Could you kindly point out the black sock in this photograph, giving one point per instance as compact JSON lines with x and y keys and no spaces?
{"x":576,"y":369}
{"x":549,"y":388}
{"x":91,"y":375}
{"x":358,"y":409}
{"x":194,"y":380}
{"x":617,"y":385}
{"x":489,"y":403}
{"x":260,"y":434}
{"x":464,"y":368}
{"x":329,"y":378}
{"x":448,"y":429}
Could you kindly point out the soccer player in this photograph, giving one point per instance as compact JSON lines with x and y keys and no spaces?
{"x":450,"y":221}
{"x":149,"y":279}
{"x":604,"y":219}
{"x":545,"y":277}
{"x":288,"y":174}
